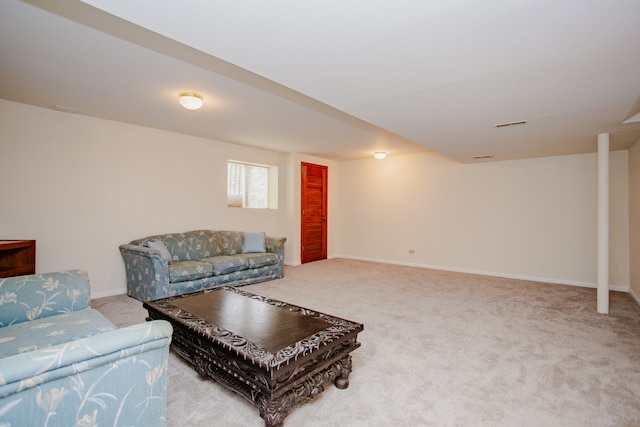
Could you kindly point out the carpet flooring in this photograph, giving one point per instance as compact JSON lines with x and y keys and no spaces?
{"x":441,"y":349}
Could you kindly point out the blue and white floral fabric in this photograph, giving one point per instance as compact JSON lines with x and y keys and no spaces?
{"x":64,"y":364}
{"x":201,"y":259}
{"x":35,"y":296}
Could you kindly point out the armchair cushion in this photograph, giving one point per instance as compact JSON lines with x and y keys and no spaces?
{"x":50,"y":331}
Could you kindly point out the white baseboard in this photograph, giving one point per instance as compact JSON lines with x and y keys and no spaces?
{"x":108,"y":293}
{"x":292,"y":264}
{"x":493,"y":274}
{"x":433,"y":267}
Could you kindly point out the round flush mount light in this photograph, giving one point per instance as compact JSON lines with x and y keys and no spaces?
{"x":191,"y":100}
{"x":380,"y":155}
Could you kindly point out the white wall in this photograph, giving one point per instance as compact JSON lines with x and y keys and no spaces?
{"x":532,"y":219}
{"x":634,"y":219}
{"x":82,"y":186}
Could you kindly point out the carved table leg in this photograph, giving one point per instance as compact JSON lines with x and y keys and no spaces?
{"x":273,"y":412}
{"x":342,"y":380}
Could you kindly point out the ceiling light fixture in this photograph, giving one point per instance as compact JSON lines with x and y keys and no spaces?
{"x":380,"y":155}
{"x":191,"y":100}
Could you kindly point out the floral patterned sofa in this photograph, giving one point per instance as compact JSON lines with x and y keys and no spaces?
{"x":165,"y":265}
{"x":63,"y":363}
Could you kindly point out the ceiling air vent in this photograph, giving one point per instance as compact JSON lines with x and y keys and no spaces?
{"x":483,"y":156}
{"x":633,"y":119}
{"x":504,"y":125}
{"x":65,"y":109}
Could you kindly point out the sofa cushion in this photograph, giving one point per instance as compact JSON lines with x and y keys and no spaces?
{"x":253,"y":243}
{"x":177,"y":245}
{"x":232,"y":242}
{"x":261,"y":260}
{"x":158,"y":245}
{"x":52,"y":330}
{"x":227,"y":264}
{"x":189,"y":270}
{"x":204,"y":243}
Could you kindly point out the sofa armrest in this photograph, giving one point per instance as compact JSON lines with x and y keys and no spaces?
{"x":35,"y":296}
{"x":275,"y":244}
{"x":147,"y":272}
{"x":105,"y":379}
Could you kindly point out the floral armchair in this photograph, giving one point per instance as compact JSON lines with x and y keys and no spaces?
{"x":63,"y":363}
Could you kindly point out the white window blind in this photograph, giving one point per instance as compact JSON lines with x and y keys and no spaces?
{"x":247,"y":185}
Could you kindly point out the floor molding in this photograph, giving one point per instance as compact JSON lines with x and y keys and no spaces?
{"x":493,"y":274}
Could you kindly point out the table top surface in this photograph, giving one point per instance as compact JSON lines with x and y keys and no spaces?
{"x":268,"y":325}
{"x":267,"y":331}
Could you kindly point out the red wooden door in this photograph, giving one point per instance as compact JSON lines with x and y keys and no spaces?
{"x":314,"y":212}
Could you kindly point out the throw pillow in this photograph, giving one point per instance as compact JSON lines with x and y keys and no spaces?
{"x":160,"y":246}
{"x":254,"y":243}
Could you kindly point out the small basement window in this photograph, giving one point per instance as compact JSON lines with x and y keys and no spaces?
{"x":252,"y":186}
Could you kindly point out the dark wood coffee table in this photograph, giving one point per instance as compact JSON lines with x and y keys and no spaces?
{"x":274,"y":354}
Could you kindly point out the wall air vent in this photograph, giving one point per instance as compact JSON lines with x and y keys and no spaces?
{"x":504,"y":125}
{"x":483,"y":156}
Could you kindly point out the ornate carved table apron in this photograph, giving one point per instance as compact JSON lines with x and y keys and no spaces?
{"x":274,"y":354}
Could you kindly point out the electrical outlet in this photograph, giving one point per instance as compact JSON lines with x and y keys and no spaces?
{"x":411,"y":251}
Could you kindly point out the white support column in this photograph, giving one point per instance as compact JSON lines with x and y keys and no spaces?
{"x":603,"y":223}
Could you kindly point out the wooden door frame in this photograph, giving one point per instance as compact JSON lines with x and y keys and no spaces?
{"x":324,"y":213}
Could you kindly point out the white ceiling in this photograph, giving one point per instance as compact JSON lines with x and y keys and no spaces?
{"x":339,"y":79}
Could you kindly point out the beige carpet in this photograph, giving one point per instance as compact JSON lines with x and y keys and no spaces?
{"x":442,"y":349}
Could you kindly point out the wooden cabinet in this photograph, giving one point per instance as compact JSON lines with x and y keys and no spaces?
{"x":17,"y":257}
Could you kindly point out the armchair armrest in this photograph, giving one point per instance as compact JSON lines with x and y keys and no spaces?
{"x":35,"y":296}
{"x":147,"y":272}
{"x":118,"y":377}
